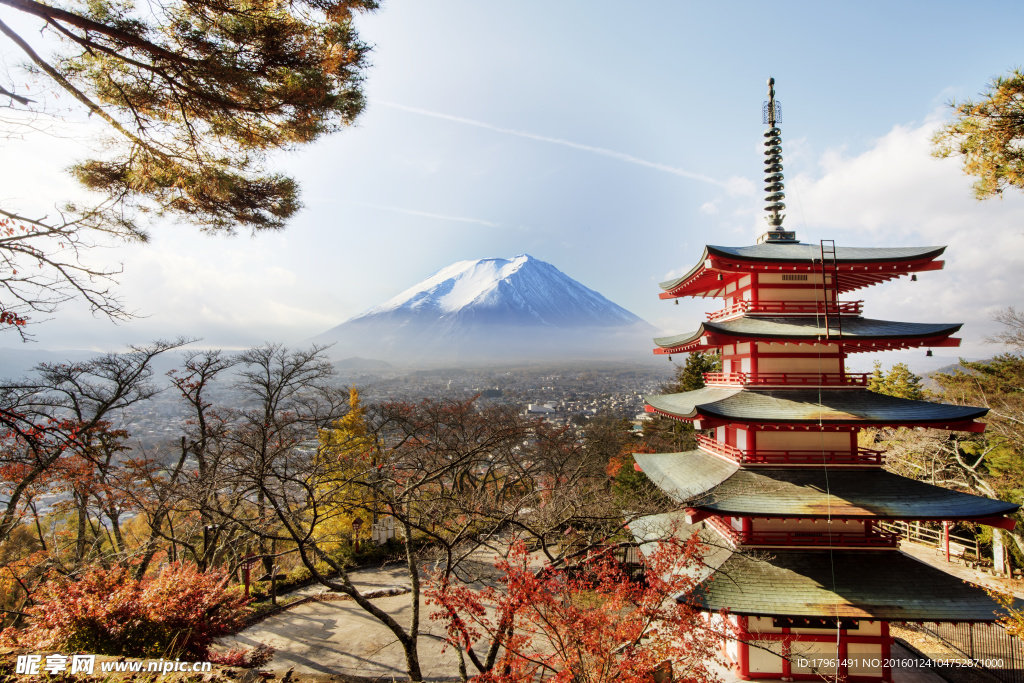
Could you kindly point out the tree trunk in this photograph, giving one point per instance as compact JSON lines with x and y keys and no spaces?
{"x":80,"y":527}
{"x":414,"y":580}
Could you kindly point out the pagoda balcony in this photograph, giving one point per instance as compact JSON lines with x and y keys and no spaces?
{"x":782,"y":379}
{"x":859,"y":456}
{"x":788,"y":308}
{"x":823,"y":539}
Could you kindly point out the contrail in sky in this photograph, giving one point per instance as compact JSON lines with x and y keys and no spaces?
{"x":460,"y":219}
{"x":560,"y":141}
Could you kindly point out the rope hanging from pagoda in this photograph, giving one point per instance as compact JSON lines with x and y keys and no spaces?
{"x":773,"y":163}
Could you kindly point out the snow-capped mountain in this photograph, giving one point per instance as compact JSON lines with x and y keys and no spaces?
{"x":493,"y":309}
{"x":523,"y":290}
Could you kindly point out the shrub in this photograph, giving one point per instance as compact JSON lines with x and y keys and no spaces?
{"x":106,"y":611}
{"x":245,"y":658}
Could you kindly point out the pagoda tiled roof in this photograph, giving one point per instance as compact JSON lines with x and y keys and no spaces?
{"x":828,"y":406}
{"x":855,"y":261}
{"x":701,"y":480}
{"x":812,"y":328}
{"x":805,"y":252}
{"x":878,"y":585}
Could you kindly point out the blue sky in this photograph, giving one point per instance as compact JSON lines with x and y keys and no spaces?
{"x":610,"y":140}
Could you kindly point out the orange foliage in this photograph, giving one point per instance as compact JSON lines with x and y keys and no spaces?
{"x":591,"y":624}
{"x":106,"y":611}
{"x":616,"y":462}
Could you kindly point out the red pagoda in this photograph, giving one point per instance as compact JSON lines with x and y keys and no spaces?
{"x":787,"y":500}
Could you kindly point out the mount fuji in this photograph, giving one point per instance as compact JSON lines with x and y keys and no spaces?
{"x":492,"y":310}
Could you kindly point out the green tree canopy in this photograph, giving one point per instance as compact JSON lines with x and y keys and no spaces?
{"x":690,"y":375}
{"x":899,"y":381}
{"x":997,"y":384}
{"x":989,"y":135}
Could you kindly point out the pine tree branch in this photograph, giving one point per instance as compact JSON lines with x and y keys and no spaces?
{"x":54,"y":13}
{"x":17,"y":98}
{"x":68,"y":86}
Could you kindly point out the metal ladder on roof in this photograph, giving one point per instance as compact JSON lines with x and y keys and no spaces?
{"x":829,"y":266}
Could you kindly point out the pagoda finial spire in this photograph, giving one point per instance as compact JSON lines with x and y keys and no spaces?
{"x":770,"y":110}
{"x":773,"y":172}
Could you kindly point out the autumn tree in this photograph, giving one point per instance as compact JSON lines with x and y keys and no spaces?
{"x":459,"y":478}
{"x":590,"y":623}
{"x":61,"y":411}
{"x":42,"y":266}
{"x":444,"y":470}
{"x":204,"y":495}
{"x":1013,"y":614}
{"x":988,"y":135}
{"x":272,"y":441}
{"x":58,"y":433}
{"x":193,"y":94}
{"x":350,"y":450}
{"x":555,"y":498}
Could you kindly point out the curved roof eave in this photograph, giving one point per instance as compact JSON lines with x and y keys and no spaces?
{"x":683,"y":476}
{"x":811,"y":328}
{"x":670,"y":284}
{"x":701,"y":480}
{"x":827,"y":406}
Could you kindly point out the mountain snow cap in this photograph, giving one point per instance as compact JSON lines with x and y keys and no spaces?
{"x":462,"y":284}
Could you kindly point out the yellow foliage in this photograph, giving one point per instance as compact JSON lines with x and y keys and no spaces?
{"x":349,"y":433}
{"x":348,"y":454}
{"x":1013,"y":617}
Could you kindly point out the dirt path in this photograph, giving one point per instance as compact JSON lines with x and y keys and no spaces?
{"x":340,"y":638}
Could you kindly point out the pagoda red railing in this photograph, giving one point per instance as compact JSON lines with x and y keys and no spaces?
{"x":814,"y":379}
{"x":870,"y":539}
{"x":789,"y":308}
{"x":860,"y":456}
